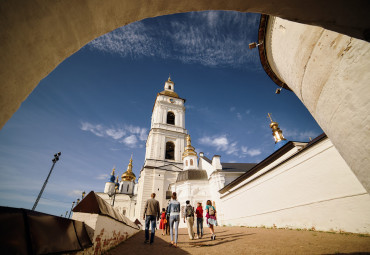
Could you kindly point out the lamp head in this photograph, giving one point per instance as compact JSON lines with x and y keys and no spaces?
{"x":252,"y":45}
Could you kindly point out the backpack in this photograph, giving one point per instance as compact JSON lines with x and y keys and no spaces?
{"x":211,"y":210}
{"x":189,"y":211}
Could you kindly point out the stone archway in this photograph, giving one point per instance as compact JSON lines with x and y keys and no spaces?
{"x":36,"y":36}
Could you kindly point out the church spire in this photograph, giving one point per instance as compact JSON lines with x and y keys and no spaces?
{"x":128,"y":175}
{"x":277,"y":133}
{"x":189,"y":150}
{"x":112,"y":177}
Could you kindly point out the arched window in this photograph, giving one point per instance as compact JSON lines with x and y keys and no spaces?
{"x":170,"y":150}
{"x":171,"y":118}
{"x":186,"y":162}
{"x":191,"y":162}
{"x":169,"y":87}
{"x":128,"y":187}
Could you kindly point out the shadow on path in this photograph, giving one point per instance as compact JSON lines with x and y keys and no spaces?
{"x":237,"y":240}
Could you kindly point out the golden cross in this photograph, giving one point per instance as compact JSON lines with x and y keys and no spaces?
{"x":269,"y":116}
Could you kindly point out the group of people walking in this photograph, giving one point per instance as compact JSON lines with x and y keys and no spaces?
{"x":170,"y":219}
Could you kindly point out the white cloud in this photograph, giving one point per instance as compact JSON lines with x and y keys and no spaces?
{"x":75,"y":192}
{"x":239,"y":116}
{"x":232,"y":109}
{"x":250,"y":152}
{"x":95,"y":129}
{"x":130,"y":141}
{"x":134,"y":133}
{"x":296,"y":135}
{"x":232,"y":149}
{"x":102,"y":177}
{"x":212,"y":38}
{"x":222,"y":143}
{"x":115,"y":134}
{"x":143,"y":134}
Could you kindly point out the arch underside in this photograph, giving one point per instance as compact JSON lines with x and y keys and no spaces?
{"x":36,"y":36}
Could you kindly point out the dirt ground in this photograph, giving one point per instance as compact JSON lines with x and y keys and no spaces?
{"x":242,"y":240}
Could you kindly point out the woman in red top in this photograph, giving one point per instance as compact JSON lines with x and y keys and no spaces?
{"x":199,"y":213}
{"x":163,"y":222}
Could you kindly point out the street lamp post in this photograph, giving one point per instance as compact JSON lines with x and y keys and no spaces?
{"x":115,"y":191}
{"x":69,"y":216}
{"x":55,"y":159}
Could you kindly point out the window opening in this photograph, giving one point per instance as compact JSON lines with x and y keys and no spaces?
{"x":170,"y":150}
{"x":171,"y":118}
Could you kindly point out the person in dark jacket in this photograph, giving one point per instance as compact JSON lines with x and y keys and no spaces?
{"x":151,"y":214}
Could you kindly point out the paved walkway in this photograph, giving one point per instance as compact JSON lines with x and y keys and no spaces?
{"x":242,"y":240}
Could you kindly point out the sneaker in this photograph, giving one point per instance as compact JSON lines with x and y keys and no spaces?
{"x":214,"y":237}
{"x":146,"y":241}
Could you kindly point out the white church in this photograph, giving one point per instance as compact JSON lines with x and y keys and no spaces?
{"x":300,"y":185}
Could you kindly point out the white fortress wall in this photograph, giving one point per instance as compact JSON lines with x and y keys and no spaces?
{"x":316,"y":189}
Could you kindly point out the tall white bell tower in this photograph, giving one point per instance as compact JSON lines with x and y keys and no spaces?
{"x":164,"y":147}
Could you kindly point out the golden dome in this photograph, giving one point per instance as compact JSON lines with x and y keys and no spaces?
{"x":276,"y":132}
{"x":128,"y":175}
{"x":189,"y":150}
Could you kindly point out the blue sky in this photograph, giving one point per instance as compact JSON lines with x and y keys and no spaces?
{"x":96,"y":106}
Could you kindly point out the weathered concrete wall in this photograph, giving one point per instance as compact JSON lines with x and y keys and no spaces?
{"x":315,"y":189}
{"x":36,"y":36}
{"x":329,"y":72}
{"x":104,"y":231}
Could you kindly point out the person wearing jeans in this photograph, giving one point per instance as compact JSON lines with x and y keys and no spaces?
{"x":151,"y":213}
{"x":173,"y":210}
{"x":199,"y":214}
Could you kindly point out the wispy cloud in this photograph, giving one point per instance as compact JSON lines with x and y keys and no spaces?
{"x":250,"y":152}
{"x":130,"y":141}
{"x":115,"y":133}
{"x":296,"y":135}
{"x":212,"y":38}
{"x":102,"y":177}
{"x":239,"y":116}
{"x":134,"y":134}
{"x":75,"y":192}
{"x":95,"y":129}
{"x":222,"y":143}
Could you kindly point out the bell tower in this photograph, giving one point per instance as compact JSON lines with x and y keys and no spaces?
{"x":166,"y":139}
{"x":164,"y":147}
